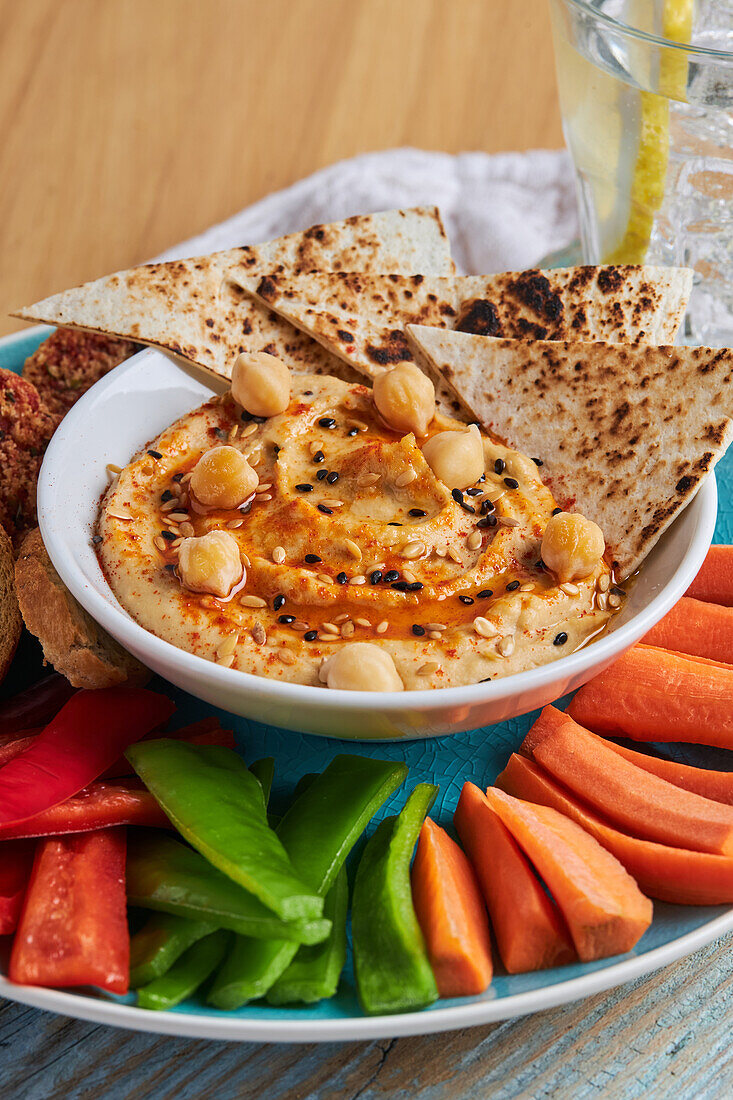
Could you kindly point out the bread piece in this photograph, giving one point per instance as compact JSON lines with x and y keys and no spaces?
{"x":11,"y":623}
{"x":25,"y":429}
{"x":72,"y":641}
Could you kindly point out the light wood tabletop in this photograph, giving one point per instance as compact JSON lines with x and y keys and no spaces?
{"x":129,"y":125}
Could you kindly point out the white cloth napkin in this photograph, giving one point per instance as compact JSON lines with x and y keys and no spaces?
{"x":502,"y":212}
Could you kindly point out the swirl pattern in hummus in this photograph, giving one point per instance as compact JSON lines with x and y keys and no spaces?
{"x":350,"y":536}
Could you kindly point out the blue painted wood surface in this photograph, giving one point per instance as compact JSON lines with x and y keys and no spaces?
{"x":535,"y":1051}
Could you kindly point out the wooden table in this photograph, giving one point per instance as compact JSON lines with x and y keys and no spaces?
{"x":130,"y":124}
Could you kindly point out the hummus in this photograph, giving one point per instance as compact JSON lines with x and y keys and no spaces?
{"x":349,"y":536}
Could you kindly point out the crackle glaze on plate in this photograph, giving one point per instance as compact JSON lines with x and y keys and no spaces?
{"x":477,"y":755}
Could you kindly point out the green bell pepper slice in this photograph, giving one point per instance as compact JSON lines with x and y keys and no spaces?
{"x":186,"y":975}
{"x":318,"y":831}
{"x":393,"y":973}
{"x":264,"y":771}
{"x":218,"y":805}
{"x":314,"y":973}
{"x":162,"y":939}
{"x":164,"y":874}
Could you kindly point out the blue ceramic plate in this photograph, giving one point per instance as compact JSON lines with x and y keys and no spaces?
{"x":477,"y":755}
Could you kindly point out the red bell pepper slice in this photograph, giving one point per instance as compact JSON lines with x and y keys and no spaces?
{"x":73,"y":928}
{"x":98,"y":806}
{"x":36,"y":705}
{"x":16,"y":860}
{"x":87,"y":735}
{"x":14,"y":745}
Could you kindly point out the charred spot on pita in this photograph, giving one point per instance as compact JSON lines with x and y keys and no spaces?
{"x":396,"y":350}
{"x":534,"y":291}
{"x":479,"y":317}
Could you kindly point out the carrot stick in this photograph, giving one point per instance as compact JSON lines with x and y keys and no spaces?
{"x":649,"y":694}
{"x":451,"y":914}
{"x":710,"y":784}
{"x":630,"y":797}
{"x":669,"y":874}
{"x":714,"y":582}
{"x":529,"y":931}
{"x":703,"y":629}
{"x":603,"y":907}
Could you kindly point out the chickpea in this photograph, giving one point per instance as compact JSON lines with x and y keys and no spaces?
{"x":405,"y":398}
{"x":572,"y":546}
{"x":456,"y":458}
{"x":210,"y":563}
{"x":361,"y":666}
{"x":223,"y":478}
{"x":261,"y":383}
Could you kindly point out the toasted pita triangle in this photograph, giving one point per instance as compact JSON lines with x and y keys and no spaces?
{"x":361,"y":317}
{"x":626,"y":434}
{"x":195,"y":309}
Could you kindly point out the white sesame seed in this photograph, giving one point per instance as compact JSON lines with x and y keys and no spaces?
{"x":332,"y":502}
{"x":528,"y":587}
{"x":473,"y":542}
{"x":614,"y":601}
{"x":279,"y":555}
{"x":178,"y":517}
{"x":368,"y":479}
{"x":353,"y":549}
{"x":258,"y":634}
{"x":263,"y":497}
{"x":324,"y":578}
{"x":248,"y":431}
{"x":329,"y":628}
{"x":113,"y":469}
{"x":252,"y":601}
{"x":227,"y":646}
{"x":341,"y":618}
{"x":299,"y":625}
{"x":329,"y":637}
{"x":159,"y":543}
{"x":408,"y":576}
{"x":484,"y":627}
{"x":175,"y":544}
{"x":604,"y":582}
{"x":314,"y":447}
{"x":508,"y":521}
{"x":569,"y":589}
{"x":358,"y":424}
{"x":362,"y":622}
{"x":435,"y":634}
{"x":347,"y":629}
{"x":187,"y":530}
{"x":454,"y":555}
{"x":187,"y":477}
{"x":506,"y":646}
{"x":286,"y":656}
{"x":245,"y":559}
{"x":435,"y":626}
{"x":147,"y":467}
{"x":360,"y":579}
{"x":226,"y":662}
{"x":428,"y":668}
{"x":169,"y":506}
{"x":374,"y":565}
{"x":234,"y":524}
{"x":405,"y":478}
{"x":413,"y":550}
{"x":263,"y":487}
{"x":234,"y":432}
{"x":382,"y":627}
{"x":441,"y":551}
{"x":119,"y":514}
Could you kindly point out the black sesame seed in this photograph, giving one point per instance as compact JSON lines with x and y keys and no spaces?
{"x":169,"y":536}
{"x":341,"y":578}
{"x":499,"y":466}
{"x":487,"y":506}
{"x":539,"y":564}
{"x":556,"y":511}
{"x":487,"y":680}
{"x":415,"y":586}
{"x":307,"y":393}
{"x":321,"y":474}
{"x":391,"y":575}
{"x":276,"y":448}
{"x":481,"y":480}
{"x":312,"y":558}
{"x":487,"y":521}
{"x":485,"y":594}
{"x":511,"y":483}
{"x":512,"y":586}
{"x":457,"y":496}
{"x":278,"y":602}
{"x":468,"y":600}
{"x":560,"y":639}
{"x":246,"y":508}
{"x":416,"y":512}
{"x":96,"y":539}
{"x":310,"y":635}
{"x":326,"y":511}
{"x":327,"y":422}
{"x":392,"y":523}
{"x":304,"y":487}
{"x":166,"y":496}
{"x":318,"y":457}
{"x":418,"y":630}
{"x":375,"y":576}
{"x":468,"y":508}
{"x":177,"y":477}
{"x":352,"y":432}
{"x":250,"y":417}
{"x":169,"y":568}
{"x":287,"y":619}
{"x":332,"y":478}
{"x":473,"y":492}
{"x":155,"y":454}
{"x":616,"y":591}
{"x":401,"y":586}
{"x":219,"y":433}
{"x":538,"y":462}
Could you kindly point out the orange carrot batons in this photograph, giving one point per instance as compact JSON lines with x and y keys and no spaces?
{"x":692,"y":626}
{"x":451,"y":914}
{"x":704,"y":781}
{"x":714,"y":582}
{"x":652,"y":695}
{"x":529,"y":932}
{"x":604,"y":909}
{"x":669,"y":874}
{"x":629,"y":797}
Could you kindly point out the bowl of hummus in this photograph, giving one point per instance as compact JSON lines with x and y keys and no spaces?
{"x":338,"y":559}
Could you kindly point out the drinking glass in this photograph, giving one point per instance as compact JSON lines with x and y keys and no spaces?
{"x":646,"y":94}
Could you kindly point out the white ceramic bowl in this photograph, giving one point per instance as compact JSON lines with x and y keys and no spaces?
{"x":144,"y":395}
